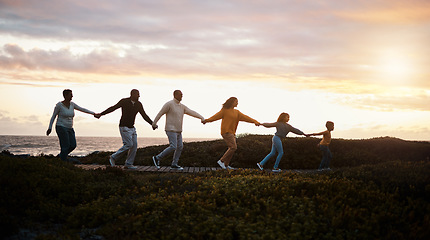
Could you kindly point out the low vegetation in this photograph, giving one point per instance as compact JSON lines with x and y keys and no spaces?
{"x":379,"y":189}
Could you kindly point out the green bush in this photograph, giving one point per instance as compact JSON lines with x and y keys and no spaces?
{"x":383,"y":196}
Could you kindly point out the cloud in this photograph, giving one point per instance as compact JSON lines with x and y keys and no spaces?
{"x":316,"y":43}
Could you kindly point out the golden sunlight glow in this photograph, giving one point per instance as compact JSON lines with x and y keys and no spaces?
{"x":396,"y":66}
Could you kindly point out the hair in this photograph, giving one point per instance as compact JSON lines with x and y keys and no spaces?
{"x":229,"y":103}
{"x":282,"y":116}
{"x":66,"y":92}
{"x":176,"y":92}
{"x":329,"y":123}
{"x":132,"y":91}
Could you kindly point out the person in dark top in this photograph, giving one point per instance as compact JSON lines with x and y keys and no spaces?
{"x":129,"y":107}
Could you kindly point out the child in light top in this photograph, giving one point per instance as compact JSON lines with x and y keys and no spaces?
{"x":282,"y":129}
{"x":323,"y":145}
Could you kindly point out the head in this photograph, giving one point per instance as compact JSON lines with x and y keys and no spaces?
{"x":177,"y":94}
{"x":283,"y":117}
{"x":134,"y":95}
{"x":230,"y":103}
{"x":67,"y":94}
{"x":329,"y":125}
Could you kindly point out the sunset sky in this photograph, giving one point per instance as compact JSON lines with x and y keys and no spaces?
{"x":365,"y":65}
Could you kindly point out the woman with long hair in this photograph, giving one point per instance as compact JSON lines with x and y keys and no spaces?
{"x":230,"y":119}
{"x":282,"y":129}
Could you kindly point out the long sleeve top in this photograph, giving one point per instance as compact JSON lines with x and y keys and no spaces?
{"x":283,"y":128}
{"x":129,"y":112}
{"x":230,"y":119}
{"x":65,"y":115}
{"x":175,"y":111}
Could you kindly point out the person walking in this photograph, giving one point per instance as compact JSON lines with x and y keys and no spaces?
{"x":324,"y":146}
{"x":230,"y":120}
{"x":65,"y":111}
{"x":130,"y":107}
{"x":174,"y":111}
{"x":282,"y":129}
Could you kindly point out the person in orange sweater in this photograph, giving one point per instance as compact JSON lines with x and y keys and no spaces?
{"x":230,"y":119}
{"x":323,"y":145}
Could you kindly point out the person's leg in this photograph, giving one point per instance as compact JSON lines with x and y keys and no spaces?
{"x":324,"y":156}
{"x":230,"y":140}
{"x":64,"y":141}
{"x":178,"y":150}
{"x":72,"y":139}
{"x":279,"y":149}
{"x":126,"y":135}
{"x":329,"y":157}
{"x":172,"y":145}
{"x":271,"y":154}
{"x":132,"y":151}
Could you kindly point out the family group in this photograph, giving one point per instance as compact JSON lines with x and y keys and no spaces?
{"x":175,"y":111}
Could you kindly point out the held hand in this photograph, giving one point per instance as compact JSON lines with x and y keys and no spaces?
{"x":307,"y":135}
{"x":204,"y":121}
{"x":97,"y":115}
{"x":257,"y":124}
{"x":48,"y":132}
{"x":154,"y":127}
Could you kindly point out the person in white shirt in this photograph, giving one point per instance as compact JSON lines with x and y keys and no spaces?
{"x":174,"y":111}
{"x":65,"y":110}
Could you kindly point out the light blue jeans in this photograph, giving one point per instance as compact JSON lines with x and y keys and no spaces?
{"x":326,"y":157}
{"x":176,"y":145}
{"x":67,"y":141}
{"x":129,"y":140}
{"x":276,"y":148}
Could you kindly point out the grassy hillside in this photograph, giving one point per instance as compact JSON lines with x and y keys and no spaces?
{"x":380,"y":190}
{"x":299,"y":153}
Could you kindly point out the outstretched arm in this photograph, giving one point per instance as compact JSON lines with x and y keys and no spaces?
{"x":110,"y":109}
{"x":245,"y":118}
{"x":269,"y":125}
{"x":215,"y":117}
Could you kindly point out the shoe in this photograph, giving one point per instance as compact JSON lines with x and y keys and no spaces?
{"x":221,"y":164}
{"x":156,"y":162}
{"x":176,"y":167}
{"x":131,"y":167}
{"x":231,"y":168}
{"x":276,"y":170}
{"x":112,"y":161}
{"x":259,"y":166}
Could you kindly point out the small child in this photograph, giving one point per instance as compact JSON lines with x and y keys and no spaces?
{"x":282,"y":129}
{"x":323,"y":145}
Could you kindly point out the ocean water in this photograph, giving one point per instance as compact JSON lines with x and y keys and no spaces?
{"x":36,"y":145}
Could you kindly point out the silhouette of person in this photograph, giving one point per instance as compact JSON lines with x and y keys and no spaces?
{"x":323,"y":145}
{"x":174,"y":111}
{"x":230,"y":120}
{"x":282,"y":129}
{"x":130,"y":107}
{"x":65,"y":110}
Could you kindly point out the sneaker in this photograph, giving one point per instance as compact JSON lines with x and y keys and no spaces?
{"x":260,"y":166}
{"x":112,"y":161}
{"x":276,"y":170}
{"x":231,"y":168}
{"x":221,"y":164}
{"x":176,"y":167}
{"x":131,"y":167}
{"x":156,"y":162}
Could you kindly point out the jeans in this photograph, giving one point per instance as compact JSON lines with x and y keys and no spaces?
{"x":326,"y":157}
{"x":175,"y":141}
{"x":129,"y":139}
{"x":276,"y":148}
{"x":67,"y":141}
{"x":230,"y":140}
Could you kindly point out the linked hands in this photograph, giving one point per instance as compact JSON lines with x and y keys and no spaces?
{"x":97,"y":115}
